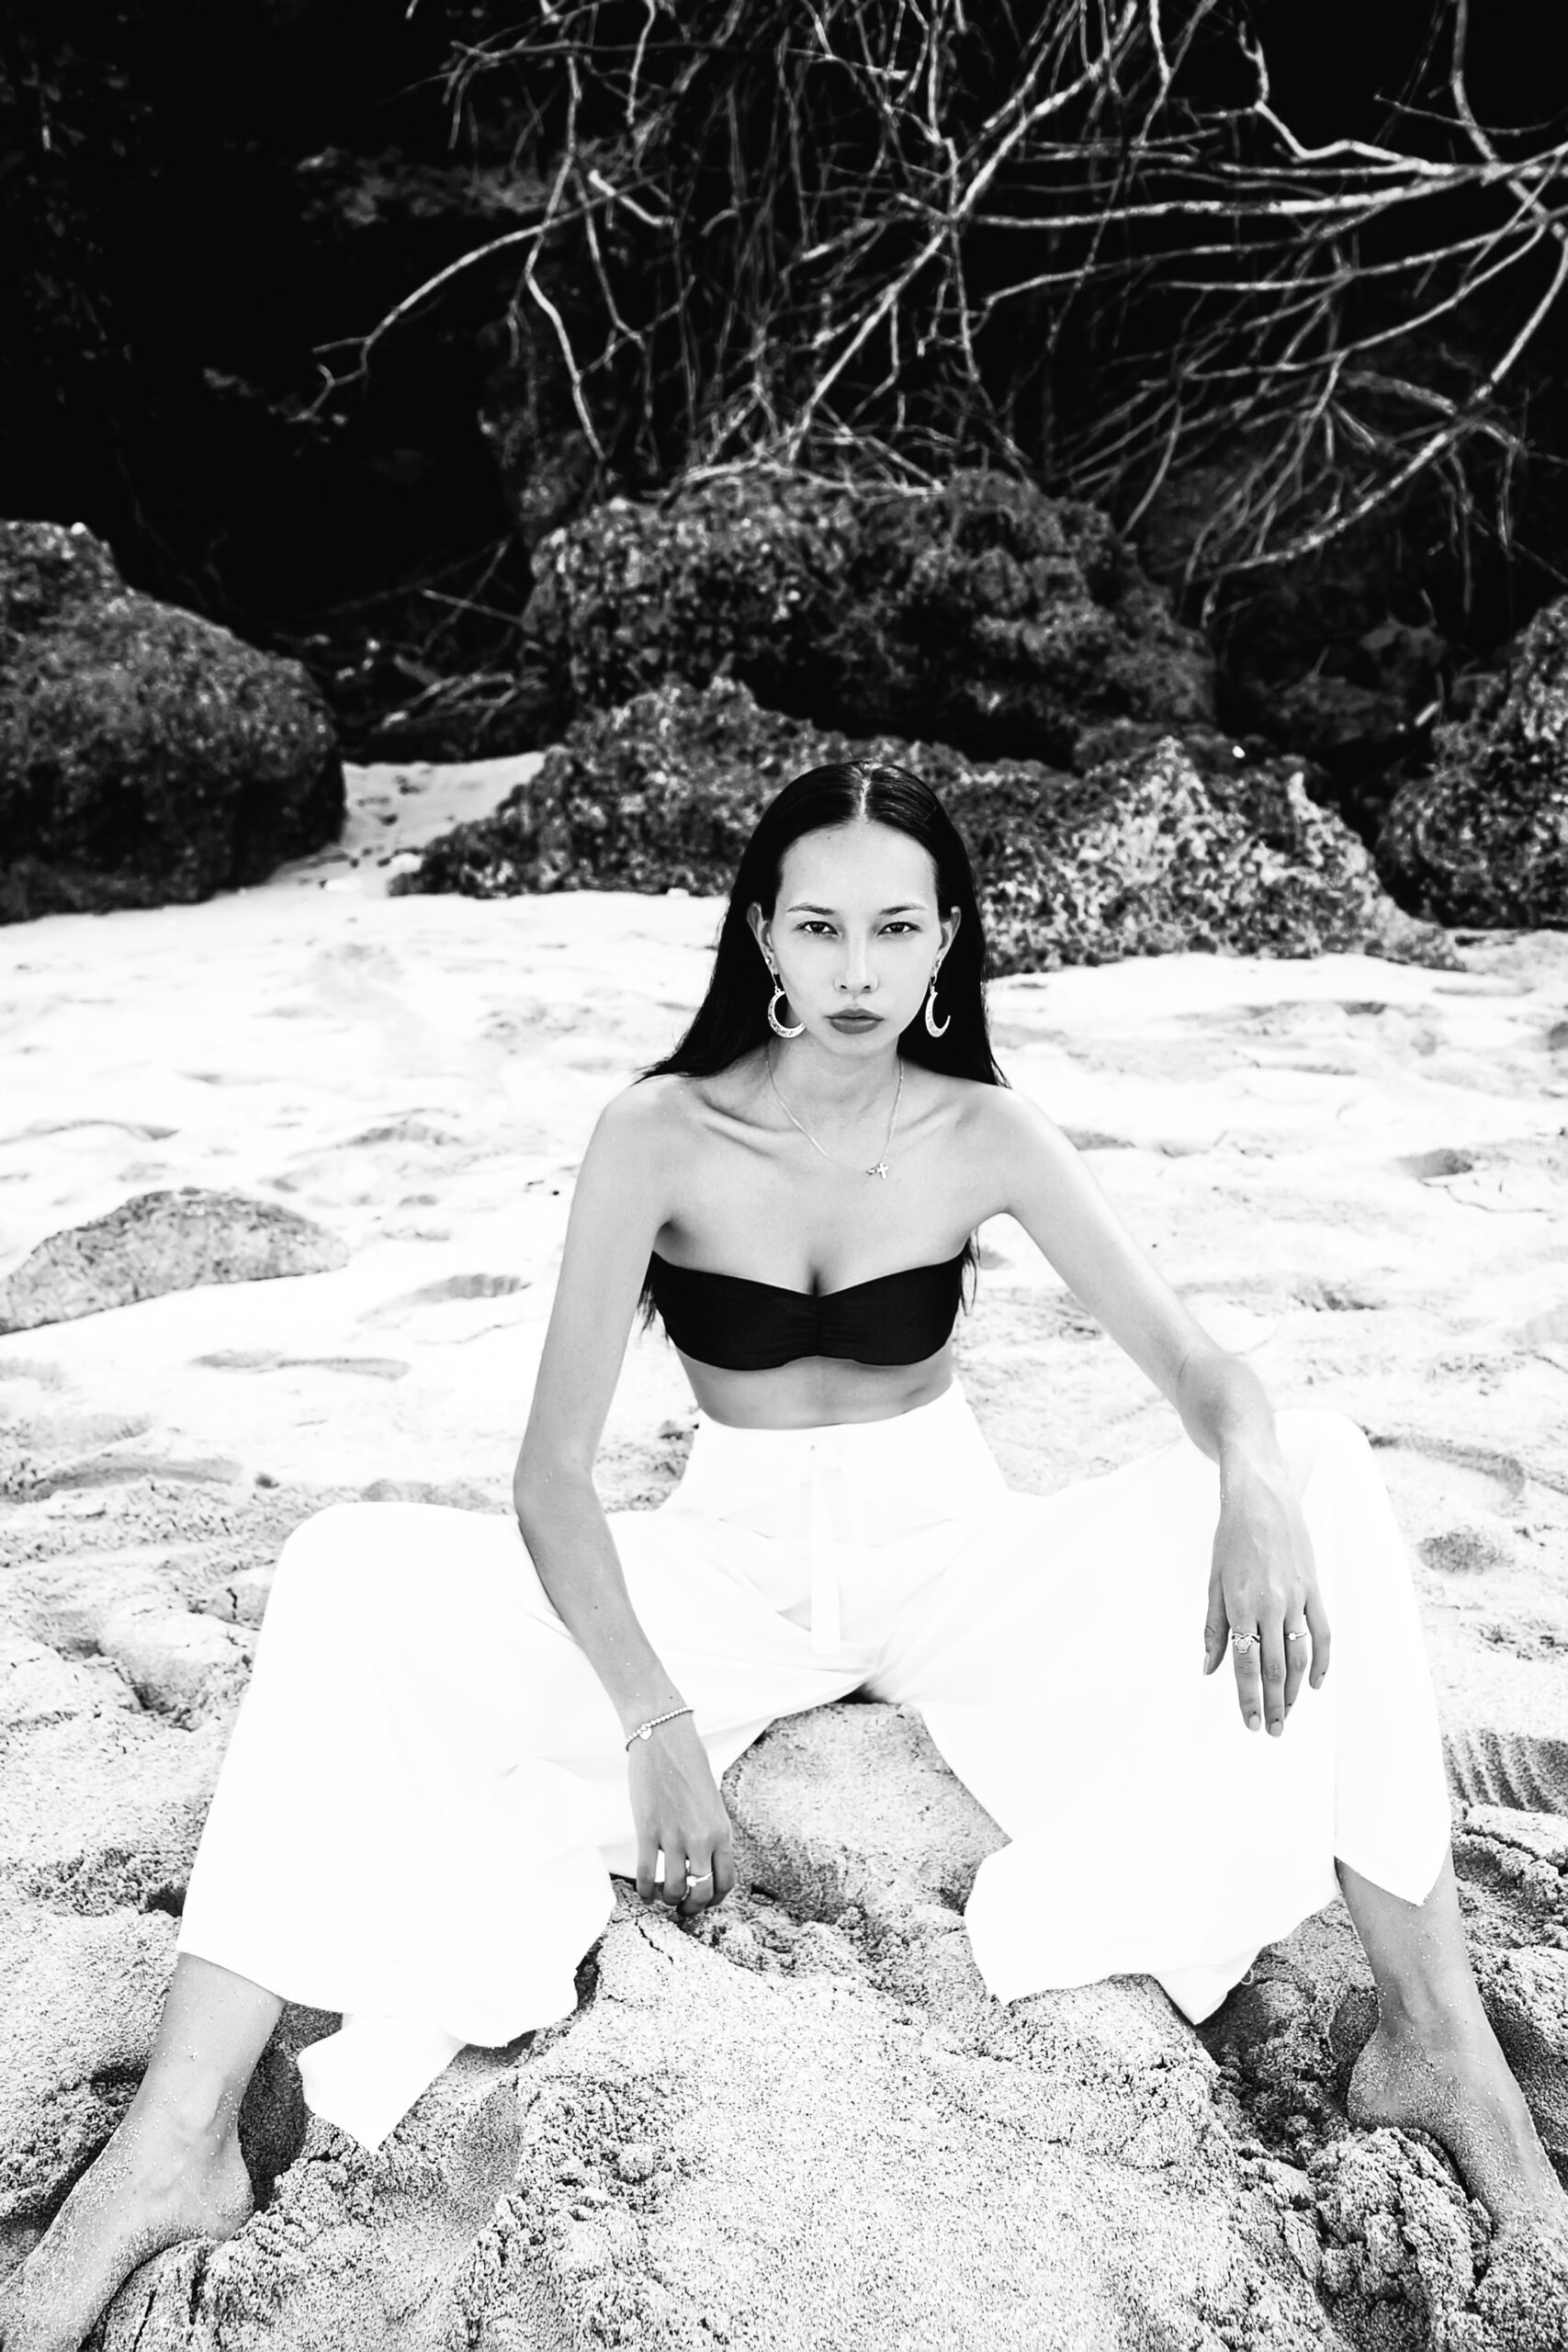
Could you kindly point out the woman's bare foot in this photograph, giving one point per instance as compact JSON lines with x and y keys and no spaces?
{"x":155,"y":2182}
{"x":1451,"y":2080}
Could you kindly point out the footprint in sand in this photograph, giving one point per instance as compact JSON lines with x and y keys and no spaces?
{"x":1464,"y":1550}
{"x":419,"y":1313}
{"x":266,"y":1360}
{"x":406,"y":1130}
{"x":1442,"y":1161}
{"x":458,"y":1286}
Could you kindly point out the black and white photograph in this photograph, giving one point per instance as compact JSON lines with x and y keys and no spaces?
{"x":783,"y":1176}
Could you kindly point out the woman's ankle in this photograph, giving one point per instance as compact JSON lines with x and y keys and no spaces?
{"x":1447,"y":2020}
{"x":181,"y":2122}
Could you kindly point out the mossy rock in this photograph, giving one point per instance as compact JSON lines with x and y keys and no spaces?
{"x":979,"y":612}
{"x":1164,"y":847}
{"x":146,"y":755}
{"x":1483,"y":839}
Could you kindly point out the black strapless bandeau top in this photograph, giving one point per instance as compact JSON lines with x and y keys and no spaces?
{"x":744,"y":1325}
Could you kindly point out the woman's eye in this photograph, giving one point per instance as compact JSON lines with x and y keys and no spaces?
{"x":898,"y":925}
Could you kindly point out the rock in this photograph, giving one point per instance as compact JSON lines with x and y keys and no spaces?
{"x":1483,"y":839}
{"x":157,"y":1242}
{"x":979,"y":612}
{"x":659,"y":795}
{"x":1157,"y":859}
{"x":849,"y":1812}
{"x":352,"y":2249}
{"x":78,"y":1999}
{"x":1143,"y":857}
{"x":812,"y":2133}
{"x":1526,"y":1994}
{"x":1520,"y":1855}
{"x":853,"y":1805}
{"x":1522,"y":2302}
{"x":1400,"y":2230}
{"x":146,"y":755}
{"x":1326,"y":717}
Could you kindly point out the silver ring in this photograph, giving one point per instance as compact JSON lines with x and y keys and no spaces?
{"x":1244,"y":1641}
{"x":1304,"y":1634}
{"x":695,"y":1878}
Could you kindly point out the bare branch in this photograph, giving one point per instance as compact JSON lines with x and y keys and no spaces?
{"x":848,"y":233}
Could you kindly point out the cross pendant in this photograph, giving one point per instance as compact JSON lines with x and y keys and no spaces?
{"x":880,"y":1169}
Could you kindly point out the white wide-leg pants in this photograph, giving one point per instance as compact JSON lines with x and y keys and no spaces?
{"x":425,"y":1787}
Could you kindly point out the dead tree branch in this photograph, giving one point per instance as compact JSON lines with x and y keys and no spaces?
{"x":879,"y":234}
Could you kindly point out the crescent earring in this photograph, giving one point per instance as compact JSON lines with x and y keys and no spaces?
{"x":933,"y":1028}
{"x":774,"y":1023}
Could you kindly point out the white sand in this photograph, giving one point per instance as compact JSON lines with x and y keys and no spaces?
{"x":421,"y":1074}
{"x":1354,"y":1171}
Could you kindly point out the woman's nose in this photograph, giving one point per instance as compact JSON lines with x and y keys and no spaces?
{"x":857,"y":976}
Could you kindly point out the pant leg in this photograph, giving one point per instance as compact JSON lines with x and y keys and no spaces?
{"x":1058,"y":1668}
{"x":425,"y":1789}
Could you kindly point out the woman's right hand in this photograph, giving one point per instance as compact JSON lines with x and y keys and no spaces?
{"x":677,"y":1808}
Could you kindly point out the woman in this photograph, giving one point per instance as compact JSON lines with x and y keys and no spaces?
{"x":456,"y":1725}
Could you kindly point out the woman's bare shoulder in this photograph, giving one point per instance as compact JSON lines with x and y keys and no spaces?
{"x":648,"y":1110}
{"x":1008,"y":1127}
{"x":987,"y":1111}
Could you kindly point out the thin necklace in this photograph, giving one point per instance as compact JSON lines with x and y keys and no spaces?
{"x":879,"y":1167}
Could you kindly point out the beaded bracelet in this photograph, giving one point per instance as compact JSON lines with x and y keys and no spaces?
{"x":645,"y":1731}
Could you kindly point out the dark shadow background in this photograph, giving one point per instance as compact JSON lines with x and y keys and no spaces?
{"x":196,"y":203}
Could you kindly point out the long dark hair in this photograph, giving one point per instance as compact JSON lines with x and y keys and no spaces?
{"x":732,"y":1018}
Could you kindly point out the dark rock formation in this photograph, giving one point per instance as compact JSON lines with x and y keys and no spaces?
{"x":1147,"y":854}
{"x":146,"y":755}
{"x":1158,"y":856}
{"x":981,"y":613}
{"x":1483,"y":839}
{"x":659,"y":795}
{"x":159,"y":1243}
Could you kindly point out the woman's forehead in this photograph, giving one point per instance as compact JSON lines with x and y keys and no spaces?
{"x":864,"y":860}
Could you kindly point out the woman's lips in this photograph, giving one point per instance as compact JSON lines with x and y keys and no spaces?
{"x":854,"y":1020}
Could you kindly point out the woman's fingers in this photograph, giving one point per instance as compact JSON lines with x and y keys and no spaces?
{"x":701,"y":1876}
{"x":1248,"y":1680}
{"x":1272,"y":1670}
{"x":1269,"y":1671}
{"x":1298,"y":1656}
{"x":672,"y":1885}
{"x":694,"y":1879}
{"x":681,"y":1821}
{"x":709,"y":1876}
{"x":1317,"y":1625}
{"x":1215,"y":1625}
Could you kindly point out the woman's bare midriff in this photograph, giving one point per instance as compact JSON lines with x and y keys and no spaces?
{"x":814,"y":1390}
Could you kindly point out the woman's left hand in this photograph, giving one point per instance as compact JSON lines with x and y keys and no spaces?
{"x":1263,"y":1580}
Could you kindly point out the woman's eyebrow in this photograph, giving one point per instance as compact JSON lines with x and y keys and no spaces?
{"x":905,"y":907}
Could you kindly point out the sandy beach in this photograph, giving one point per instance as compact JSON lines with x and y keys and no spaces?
{"x":1353,"y":1170}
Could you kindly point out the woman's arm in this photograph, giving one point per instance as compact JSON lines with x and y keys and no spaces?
{"x":627,"y":1179}
{"x":1052,"y":1193}
{"x":618,"y":1205}
{"x":1263,"y":1577}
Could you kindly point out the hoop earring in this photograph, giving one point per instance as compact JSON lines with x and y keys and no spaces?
{"x":932,"y":1029}
{"x":774,"y":1023}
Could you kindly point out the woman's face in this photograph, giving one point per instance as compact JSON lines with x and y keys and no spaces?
{"x":855,"y":929}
